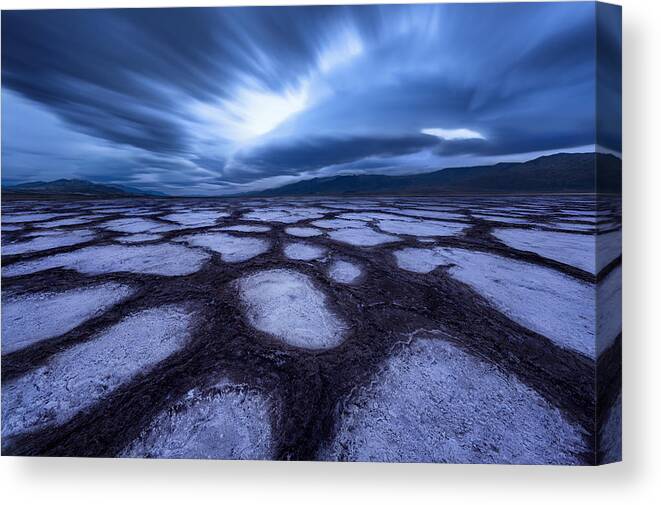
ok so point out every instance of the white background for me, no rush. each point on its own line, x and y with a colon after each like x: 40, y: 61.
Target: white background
x: 637, y: 480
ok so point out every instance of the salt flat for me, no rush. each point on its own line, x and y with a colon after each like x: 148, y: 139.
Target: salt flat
x: 31, y: 318
x: 200, y: 218
x: 570, y: 248
x: 158, y: 259
x: 361, y: 237
x: 78, y: 377
x: 368, y: 328
x: 545, y: 301
x: 421, y: 228
x: 226, y: 421
x: 232, y: 249
x: 50, y: 241
x: 433, y: 402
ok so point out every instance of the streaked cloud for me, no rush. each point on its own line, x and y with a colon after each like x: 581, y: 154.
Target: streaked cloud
x: 211, y: 100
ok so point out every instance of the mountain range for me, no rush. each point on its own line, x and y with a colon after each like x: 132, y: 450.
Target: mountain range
x: 76, y: 188
x: 557, y: 173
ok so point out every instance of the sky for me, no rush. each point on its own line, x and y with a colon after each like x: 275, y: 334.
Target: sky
x: 213, y: 101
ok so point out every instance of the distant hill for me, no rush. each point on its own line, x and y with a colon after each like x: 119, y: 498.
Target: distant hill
x: 76, y: 188
x: 557, y: 173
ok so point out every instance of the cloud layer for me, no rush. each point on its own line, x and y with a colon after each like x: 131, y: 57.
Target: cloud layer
x: 212, y: 101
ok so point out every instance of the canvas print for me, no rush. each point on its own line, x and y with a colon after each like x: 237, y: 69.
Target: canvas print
x: 383, y: 233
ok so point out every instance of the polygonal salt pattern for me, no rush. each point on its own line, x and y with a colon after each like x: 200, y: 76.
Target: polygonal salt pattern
x: 232, y: 249
x: 362, y: 237
x: 543, y: 300
x: 312, y: 317
x: 34, y: 317
x: 157, y: 259
x: 422, y: 228
x: 29, y: 217
x: 137, y: 225
x: 50, y: 241
x: 77, y: 378
x: 196, y: 219
x: 226, y: 421
x: 432, y: 402
x: 570, y: 248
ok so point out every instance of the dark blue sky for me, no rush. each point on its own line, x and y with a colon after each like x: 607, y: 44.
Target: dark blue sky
x: 215, y: 101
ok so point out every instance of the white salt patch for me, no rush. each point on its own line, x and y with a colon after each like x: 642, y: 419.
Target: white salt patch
x: 115, y: 210
x: 371, y: 216
x: 231, y: 249
x: 569, y: 248
x: 543, y: 300
x: 139, y: 237
x: 303, y: 232
x: 580, y: 213
x: 64, y: 222
x: 27, y: 217
x: 361, y: 237
x: 49, y: 241
x: 609, y: 309
x: 444, y: 209
x: 344, y: 272
x: 159, y: 259
x: 422, y: 228
x: 10, y: 227
x: 271, y: 215
x: 31, y: 318
x: 77, y: 378
x: 351, y: 205
x: 569, y: 226
x: 286, y: 304
x: 196, y: 218
x: 144, y: 212
x: 582, y: 219
x: 302, y: 251
x: 227, y: 421
x: 502, y: 219
x: 337, y: 223
x: 45, y: 233
x: 289, y: 215
x: 247, y: 228
x: 432, y: 402
x: 431, y: 214
x: 137, y: 225
x: 609, y: 248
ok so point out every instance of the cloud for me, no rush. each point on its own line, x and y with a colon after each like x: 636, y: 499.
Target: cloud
x: 312, y: 153
x: 453, y: 134
x: 209, y: 98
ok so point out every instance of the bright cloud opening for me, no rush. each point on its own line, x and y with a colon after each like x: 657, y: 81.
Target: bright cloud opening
x: 252, y: 112
x: 453, y: 134
x: 260, y: 112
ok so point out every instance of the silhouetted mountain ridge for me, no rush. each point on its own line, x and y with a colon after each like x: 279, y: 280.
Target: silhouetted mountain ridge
x: 77, y: 187
x: 557, y: 173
